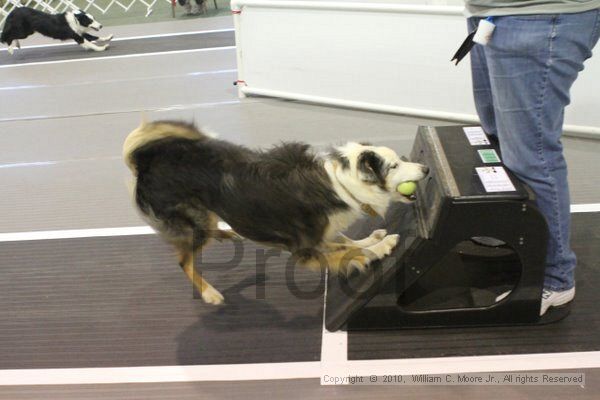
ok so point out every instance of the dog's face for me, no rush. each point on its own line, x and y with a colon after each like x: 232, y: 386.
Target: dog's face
x: 380, y: 167
x: 86, y: 21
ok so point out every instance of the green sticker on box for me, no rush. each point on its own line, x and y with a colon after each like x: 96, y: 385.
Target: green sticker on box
x: 489, y: 156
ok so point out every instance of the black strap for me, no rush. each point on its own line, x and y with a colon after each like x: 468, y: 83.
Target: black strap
x: 464, y: 48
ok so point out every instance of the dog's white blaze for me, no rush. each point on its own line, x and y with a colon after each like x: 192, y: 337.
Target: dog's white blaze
x: 73, y: 23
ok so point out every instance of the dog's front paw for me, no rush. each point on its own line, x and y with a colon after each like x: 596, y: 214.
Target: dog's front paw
x: 378, y: 234
x: 107, y: 38
x: 385, y: 247
x: 103, y: 48
x: 211, y: 295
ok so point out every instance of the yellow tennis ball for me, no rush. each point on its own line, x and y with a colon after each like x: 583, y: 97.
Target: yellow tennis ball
x: 407, y: 188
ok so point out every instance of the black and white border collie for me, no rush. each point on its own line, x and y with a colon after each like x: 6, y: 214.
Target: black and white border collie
x: 287, y: 197
x: 24, y: 21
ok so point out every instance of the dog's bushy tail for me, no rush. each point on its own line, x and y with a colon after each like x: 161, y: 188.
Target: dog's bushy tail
x: 149, y: 132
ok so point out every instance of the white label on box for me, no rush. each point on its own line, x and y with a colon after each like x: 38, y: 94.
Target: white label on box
x: 495, y: 179
x: 476, y: 135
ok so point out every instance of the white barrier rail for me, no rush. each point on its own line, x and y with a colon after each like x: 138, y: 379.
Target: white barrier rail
x: 375, y: 56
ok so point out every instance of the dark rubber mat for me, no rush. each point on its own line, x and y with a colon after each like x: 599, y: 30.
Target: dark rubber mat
x: 119, y: 47
x: 123, y: 301
x: 578, y: 332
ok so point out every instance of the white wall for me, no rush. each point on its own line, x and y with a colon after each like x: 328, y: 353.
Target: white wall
x: 383, y: 56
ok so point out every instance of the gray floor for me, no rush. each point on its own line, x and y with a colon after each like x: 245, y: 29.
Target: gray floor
x: 61, y: 130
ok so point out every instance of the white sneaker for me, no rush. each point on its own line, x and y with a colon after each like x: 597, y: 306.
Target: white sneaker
x: 550, y: 298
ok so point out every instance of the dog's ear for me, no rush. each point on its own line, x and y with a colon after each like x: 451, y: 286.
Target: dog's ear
x: 372, y: 167
x: 83, y: 19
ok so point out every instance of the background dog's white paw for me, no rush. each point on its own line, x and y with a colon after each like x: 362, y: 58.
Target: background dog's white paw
x: 211, y: 295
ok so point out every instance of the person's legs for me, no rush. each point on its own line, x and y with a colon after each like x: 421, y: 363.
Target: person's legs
x: 482, y: 91
x: 484, y: 104
x: 533, y: 62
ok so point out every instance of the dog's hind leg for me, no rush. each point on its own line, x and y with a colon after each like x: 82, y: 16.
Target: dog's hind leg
x: 11, y: 48
x: 18, y: 44
x: 223, y: 235
x: 204, y: 226
x: 216, y: 233
x: 186, y: 256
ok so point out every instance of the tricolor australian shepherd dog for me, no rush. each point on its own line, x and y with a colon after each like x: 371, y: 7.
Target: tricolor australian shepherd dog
x: 288, y: 196
x: 24, y: 21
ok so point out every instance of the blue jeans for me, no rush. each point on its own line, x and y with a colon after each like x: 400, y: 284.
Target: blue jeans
x: 521, y: 84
